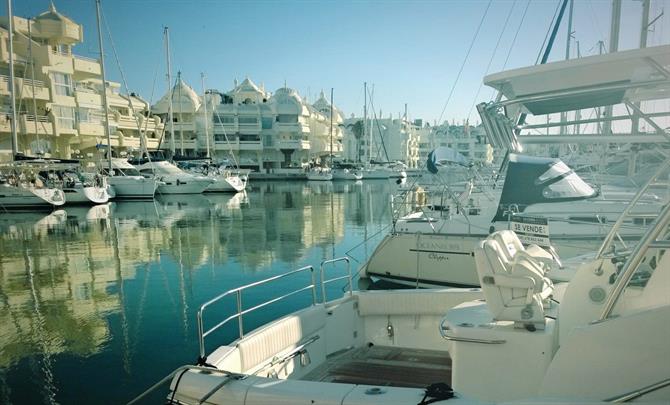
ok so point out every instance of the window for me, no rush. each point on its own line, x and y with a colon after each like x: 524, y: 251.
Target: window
x: 248, y: 120
x: 62, y: 84
x: 287, y: 118
x: 223, y: 119
x: 90, y: 115
x: 65, y: 116
x: 571, y: 186
x: 266, y: 122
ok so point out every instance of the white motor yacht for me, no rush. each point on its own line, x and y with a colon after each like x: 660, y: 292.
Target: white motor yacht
x: 375, y: 173
x: 346, y: 174
x: 127, y: 181
x: 320, y: 174
x: 601, y: 337
x: 434, y: 245
x: 173, y: 179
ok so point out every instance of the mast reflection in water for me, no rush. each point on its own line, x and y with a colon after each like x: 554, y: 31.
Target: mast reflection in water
x: 99, y: 303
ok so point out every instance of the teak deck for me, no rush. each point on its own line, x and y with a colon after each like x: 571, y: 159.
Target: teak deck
x: 385, y: 366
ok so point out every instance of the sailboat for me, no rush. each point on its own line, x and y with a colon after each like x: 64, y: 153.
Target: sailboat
x: 226, y: 179
x: 21, y: 186
x: 124, y: 179
x: 173, y: 179
x: 370, y: 171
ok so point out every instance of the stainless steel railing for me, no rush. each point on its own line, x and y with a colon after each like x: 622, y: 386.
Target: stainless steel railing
x: 240, y: 311
x: 202, y: 334
x: 324, y: 282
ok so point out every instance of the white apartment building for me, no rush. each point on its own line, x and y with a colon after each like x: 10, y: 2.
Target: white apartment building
x: 470, y: 141
x: 382, y: 140
x: 58, y: 94
x: 260, y: 130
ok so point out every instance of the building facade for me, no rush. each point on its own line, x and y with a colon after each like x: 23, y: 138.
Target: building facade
x: 59, y: 106
x: 252, y: 127
x: 382, y: 140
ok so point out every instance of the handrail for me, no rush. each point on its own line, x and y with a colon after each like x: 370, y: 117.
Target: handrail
x: 323, y: 276
x: 615, y: 228
x: 639, y: 392
x: 634, y: 260
x: 175, y: 372
x: 240, y: 312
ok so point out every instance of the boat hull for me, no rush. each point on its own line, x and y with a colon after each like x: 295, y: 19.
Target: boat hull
x: 194, y: 185
x: 226, y: 184
x: 17, y: 198
x: 133, y: 187
x: 86, y: 195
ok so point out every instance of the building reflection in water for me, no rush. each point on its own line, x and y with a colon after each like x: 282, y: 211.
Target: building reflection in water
x: 92, y: 296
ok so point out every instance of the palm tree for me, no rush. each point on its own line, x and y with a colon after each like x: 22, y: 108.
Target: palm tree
x: 357, y: 128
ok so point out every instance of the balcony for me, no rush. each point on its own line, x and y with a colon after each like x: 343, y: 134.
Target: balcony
x: 63, y: 61
x: 293, y: 144
x: 86, y: 65
x: 25, y: 88
x: 88, y: 97
x: 40, y: 125
x: 250, y: 145
x: 91, y: 128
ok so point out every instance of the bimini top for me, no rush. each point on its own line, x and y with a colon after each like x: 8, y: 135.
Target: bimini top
x: 592, y: 81
x: 444, y: 157
x: 535, y: 180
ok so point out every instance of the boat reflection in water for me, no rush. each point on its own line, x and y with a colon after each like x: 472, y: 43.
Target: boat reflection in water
x: 86, y: 293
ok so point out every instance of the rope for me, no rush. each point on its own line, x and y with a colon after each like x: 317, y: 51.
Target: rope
x: 516, y: 34
x: 458, y: 76
x: 495, y: 50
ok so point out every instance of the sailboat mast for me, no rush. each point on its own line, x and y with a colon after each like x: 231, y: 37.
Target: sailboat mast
x: 204, y: 104
x: 104, y: 88
x: 181, y: 119
x: 332, y: 111
x: 12, y: 96
x: 365, y: 117
x: 166, y: 33
x: 32, y: 77
x: 564, y: 116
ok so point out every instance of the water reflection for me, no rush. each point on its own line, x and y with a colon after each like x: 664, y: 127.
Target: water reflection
x: 90, y: 296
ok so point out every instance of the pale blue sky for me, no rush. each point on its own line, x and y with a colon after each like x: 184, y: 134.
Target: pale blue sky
x: 410, y: 50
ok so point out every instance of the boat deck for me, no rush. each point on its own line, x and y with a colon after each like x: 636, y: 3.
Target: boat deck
x: 385, y: 366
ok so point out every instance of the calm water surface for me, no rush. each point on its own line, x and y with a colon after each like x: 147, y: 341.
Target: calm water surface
x: 99, y: 303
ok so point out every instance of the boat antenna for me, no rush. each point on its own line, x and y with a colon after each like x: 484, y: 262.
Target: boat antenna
x: 12, y: 96
x: 104, y: 88
x: 332, y: 111
x: 32, y: 82
x: 166, y: 34
x: 204, y: 105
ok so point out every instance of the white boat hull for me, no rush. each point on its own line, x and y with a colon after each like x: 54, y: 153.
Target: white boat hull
x: 346, y: 175
x: 183, y: 185
x: 12, y: 197
x: 86, y: 195
x: 375, y: 174
x: 138, y: 187
x: 227, y: 184
x: 319, y: 176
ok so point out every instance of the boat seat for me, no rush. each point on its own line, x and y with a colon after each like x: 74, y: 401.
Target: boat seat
x: 279, y: 336
x: 516, y: 291
x: 512, y: 247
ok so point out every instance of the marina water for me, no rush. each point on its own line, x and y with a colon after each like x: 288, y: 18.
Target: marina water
x: 92, y: 298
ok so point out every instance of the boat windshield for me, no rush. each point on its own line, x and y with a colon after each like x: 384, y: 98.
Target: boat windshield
x: 166, y: 168
x: 127, y: 171
x: 569, y: 185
